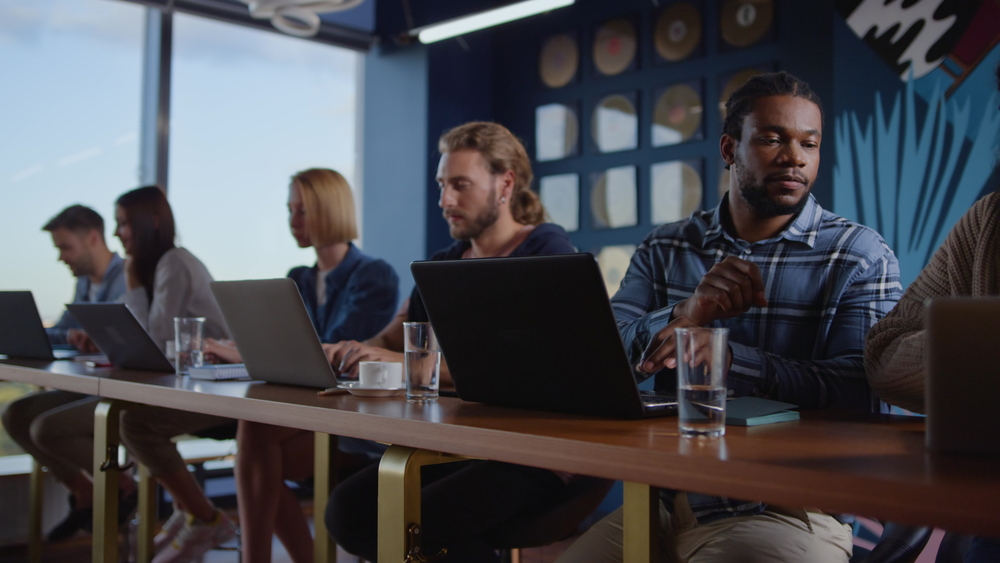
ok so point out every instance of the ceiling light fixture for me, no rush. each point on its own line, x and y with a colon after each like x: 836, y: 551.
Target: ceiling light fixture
x: 297, y: 17
x: 489, y: 18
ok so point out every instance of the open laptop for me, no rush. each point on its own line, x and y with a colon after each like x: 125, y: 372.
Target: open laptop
x: 963, y: 375
x: 273, y: 332
x: 535, y: 332
x: 22, y: 334
x: 119, y: 336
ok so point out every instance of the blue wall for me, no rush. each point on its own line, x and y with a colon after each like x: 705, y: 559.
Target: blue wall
x: 394, y: 171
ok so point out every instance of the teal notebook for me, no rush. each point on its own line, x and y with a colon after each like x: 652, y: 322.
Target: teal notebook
x: 754, y: 411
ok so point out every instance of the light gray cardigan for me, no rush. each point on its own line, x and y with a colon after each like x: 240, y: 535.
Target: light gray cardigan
x: 180, y: 289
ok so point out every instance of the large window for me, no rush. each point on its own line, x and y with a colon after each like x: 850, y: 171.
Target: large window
x: 249, y: 109
x: 70, y: 88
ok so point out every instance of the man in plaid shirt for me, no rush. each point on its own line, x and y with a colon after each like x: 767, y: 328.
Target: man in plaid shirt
x: 798, y: 288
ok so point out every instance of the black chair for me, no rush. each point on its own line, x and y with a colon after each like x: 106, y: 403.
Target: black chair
x: 563, y: 521
x: 953, y: 548
x: 898, y: 544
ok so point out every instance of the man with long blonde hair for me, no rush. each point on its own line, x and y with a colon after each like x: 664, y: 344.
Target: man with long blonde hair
x: 484, y: 177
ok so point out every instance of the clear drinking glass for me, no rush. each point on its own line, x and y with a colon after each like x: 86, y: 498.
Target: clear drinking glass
x: 422, y: 368
x: 188, y: 342
x: 701, y: 381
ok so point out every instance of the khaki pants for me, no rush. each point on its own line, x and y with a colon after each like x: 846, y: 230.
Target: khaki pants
x: 775, y: 536
x: 147, y: 434
x: 56, y: 428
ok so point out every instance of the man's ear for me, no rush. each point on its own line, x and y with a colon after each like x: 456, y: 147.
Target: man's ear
x: 727, y: 148
x: 507, y: 184
x: 94, y: 238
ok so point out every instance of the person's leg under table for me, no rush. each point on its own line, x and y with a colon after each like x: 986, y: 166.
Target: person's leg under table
x: 775, y: 536
x: 147, y: 433
x: 267, y: 455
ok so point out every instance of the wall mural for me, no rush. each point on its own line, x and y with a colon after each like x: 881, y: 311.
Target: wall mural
x: 914, y: 167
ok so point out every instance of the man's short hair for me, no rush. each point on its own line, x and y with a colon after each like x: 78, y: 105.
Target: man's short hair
x: 501, y: 151
x: 741, y: 102
x: 79, y: 219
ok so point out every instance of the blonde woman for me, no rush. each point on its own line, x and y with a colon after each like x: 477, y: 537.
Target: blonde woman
x: 349, y: 296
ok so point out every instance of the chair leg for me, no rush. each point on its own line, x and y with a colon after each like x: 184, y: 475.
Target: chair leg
x: 147, y: 514
x: 399, y: 500
x: 35, y: 513
x: 640, y: 521
x: 105, y: 474
x: 515, y: 555
x: 324, y: 480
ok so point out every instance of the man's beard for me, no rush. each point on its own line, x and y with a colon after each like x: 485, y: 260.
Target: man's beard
x: 760, y: 201
x: 480, y: 223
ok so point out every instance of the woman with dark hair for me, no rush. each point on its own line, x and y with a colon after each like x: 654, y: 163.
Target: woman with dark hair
x: 166, y: 281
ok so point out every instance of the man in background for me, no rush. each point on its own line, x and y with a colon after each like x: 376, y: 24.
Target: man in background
x: 78, y: 233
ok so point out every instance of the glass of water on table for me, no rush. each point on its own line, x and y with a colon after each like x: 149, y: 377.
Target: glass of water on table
x: 701, y: 381
x: 188, y: 343
x: 422, y: 365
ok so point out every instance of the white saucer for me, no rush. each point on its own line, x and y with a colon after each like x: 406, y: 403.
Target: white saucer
x: 371, y: 391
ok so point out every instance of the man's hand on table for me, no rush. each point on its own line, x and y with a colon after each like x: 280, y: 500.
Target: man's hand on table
x: 728, y: 290
x: 344, y: 356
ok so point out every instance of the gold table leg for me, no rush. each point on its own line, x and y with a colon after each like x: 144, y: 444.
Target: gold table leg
x: 399, y: 498
x: 324, y: 480
x: 106, y: 470
x: 640, y: 523
x: 35, y: 513
x: 147, y: 516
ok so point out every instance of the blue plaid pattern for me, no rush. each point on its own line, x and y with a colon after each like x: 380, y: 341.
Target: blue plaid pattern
x: 827, y: 282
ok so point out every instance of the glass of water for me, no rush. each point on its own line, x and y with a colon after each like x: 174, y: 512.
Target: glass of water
x: 701, y: 381
x: 422, y: 367
x: 188, y: 343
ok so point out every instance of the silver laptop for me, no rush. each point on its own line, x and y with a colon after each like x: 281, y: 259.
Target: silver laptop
x: 963, y: 375
x: 119, y: 336
x: 22, y: 334
x: 273, y: 332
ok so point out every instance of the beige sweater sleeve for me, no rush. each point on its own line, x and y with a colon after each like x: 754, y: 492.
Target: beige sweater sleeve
x: 894, y: 349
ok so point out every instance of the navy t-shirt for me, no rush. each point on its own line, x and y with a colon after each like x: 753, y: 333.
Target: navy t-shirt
x: 544, y: 240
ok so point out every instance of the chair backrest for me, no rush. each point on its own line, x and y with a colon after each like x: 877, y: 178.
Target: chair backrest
x: 898, y: 544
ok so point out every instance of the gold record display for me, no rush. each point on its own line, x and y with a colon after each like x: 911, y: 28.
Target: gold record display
x: 677, y: 116
x: 738, y: 79
x: 558, y: 60
x: 678, y: 31
x: 745, y: 22
x: 615, y: 45
x: 676, y: 191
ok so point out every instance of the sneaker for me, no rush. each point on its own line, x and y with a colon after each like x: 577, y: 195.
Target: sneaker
x: 77, y: 519
x: 195, y: 538
x: 170, y: 529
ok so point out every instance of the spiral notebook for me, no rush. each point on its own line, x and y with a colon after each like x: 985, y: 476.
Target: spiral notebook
x: 220, y: 372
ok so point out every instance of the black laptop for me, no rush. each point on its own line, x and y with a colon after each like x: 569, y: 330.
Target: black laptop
x: 535, y: 332
x: 119, y: 336
x: 963, y: 375
x: 22, y: 334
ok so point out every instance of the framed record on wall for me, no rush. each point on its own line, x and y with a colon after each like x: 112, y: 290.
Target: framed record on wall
x: 678, y: 114
x: 677, y: 32
x: 616, y: 47
x: 743, y: 23
x: 558, y: 60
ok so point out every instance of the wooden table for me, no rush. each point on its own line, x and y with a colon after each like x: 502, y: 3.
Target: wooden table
x: 872, y: 465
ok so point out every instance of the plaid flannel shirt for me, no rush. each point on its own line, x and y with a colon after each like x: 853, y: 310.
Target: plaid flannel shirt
x: 827, y: 281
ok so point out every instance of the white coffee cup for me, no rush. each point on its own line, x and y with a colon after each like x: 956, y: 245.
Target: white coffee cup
x: 380, y: 375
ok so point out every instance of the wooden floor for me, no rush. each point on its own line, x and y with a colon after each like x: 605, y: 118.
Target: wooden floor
x: 77, y: 550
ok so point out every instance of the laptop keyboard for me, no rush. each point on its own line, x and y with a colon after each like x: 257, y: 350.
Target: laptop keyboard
x: 650, y: 399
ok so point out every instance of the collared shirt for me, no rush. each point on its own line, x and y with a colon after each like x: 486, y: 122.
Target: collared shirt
x: 827, y: 281
x: 111, y: 288
x: 361, y: 296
